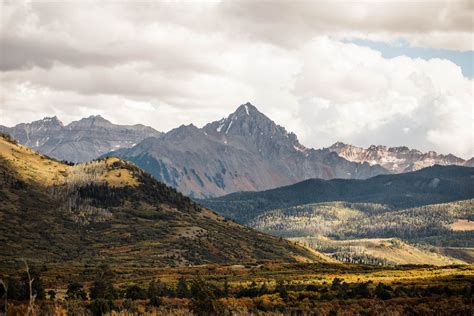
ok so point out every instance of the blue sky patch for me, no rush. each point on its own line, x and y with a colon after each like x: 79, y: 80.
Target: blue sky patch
x: 465, y: 60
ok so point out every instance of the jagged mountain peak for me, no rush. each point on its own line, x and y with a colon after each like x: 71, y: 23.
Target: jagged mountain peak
x: 48, y: 122
x: 249, y: 128
x: 247, y: 109
x: 91, y: 121
x: 183, y: 131
x: 97, y: 117
x: 246, y: 121
x: 53, y: 120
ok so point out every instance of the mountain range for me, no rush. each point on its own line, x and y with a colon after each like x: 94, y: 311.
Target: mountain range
x: 79, y: 141
x: 396, y: 159
x: 245, y: 151
x: 110, y: 211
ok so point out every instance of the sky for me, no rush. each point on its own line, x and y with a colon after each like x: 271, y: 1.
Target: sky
x: 362, y: 72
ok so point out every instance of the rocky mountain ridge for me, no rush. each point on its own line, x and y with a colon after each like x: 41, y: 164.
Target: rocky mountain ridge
x: 78, y: 141
x: 395, y: 159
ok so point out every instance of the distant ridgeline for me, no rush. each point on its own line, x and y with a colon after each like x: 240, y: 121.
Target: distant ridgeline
x: 431, y: 185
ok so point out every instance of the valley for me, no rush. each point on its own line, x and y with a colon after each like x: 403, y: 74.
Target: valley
x: 236, y: 158
x: 368, y: 222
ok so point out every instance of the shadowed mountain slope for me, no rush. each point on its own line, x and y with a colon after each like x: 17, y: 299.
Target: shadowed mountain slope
x: 431, y: 185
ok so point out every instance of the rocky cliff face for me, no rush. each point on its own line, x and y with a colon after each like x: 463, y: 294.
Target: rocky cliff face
x: 244, y: 152
x: 395, y: 159
x: 79, y: 141
x: 35, y: 134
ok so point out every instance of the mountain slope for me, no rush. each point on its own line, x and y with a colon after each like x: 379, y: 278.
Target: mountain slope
x: 469, y: 163
x: 446, y: 224
x: 244, y: 152
x: 78, y: 141
x: 431, y: 185
x: 395, y: 159
x: 381, y: 251
x: 109, y: 210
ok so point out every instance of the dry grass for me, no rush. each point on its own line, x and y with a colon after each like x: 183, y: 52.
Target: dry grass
x: 393, y: 250
x: 34, y: 167
x: 462, y: 225
x: 31, y: 166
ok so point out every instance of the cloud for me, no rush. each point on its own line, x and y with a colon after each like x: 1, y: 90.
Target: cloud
x: 446, y: 24
x: 356, y: 95
x: 165, y: 64
x: 95, y: 33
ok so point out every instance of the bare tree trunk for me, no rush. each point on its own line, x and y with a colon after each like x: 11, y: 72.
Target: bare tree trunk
x: 6, y: 296
x: 31, y: 305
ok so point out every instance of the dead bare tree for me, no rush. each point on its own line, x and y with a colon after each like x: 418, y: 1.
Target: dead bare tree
x: 5, y: 287
x: 31, y: 305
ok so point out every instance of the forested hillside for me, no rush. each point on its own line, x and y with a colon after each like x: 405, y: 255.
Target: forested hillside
x: 437, y: 184
x: 358, y: 232
x: 342, y: 220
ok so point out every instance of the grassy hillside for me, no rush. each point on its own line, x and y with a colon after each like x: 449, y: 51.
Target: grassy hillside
x: 379, y: 251
x: 437, y: 184
x: 464, y: 254
x: 111, y: 211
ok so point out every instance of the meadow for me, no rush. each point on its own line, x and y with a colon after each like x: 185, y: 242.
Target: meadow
x: 265, y: 288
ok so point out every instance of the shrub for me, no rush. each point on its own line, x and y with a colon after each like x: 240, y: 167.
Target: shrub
x: 75, y: 291
x: 134, y: 292
x: 100, y: 307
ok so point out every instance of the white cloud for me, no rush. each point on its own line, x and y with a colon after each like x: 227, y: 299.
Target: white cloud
x: 354, y: 94
x: 166, y: 64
